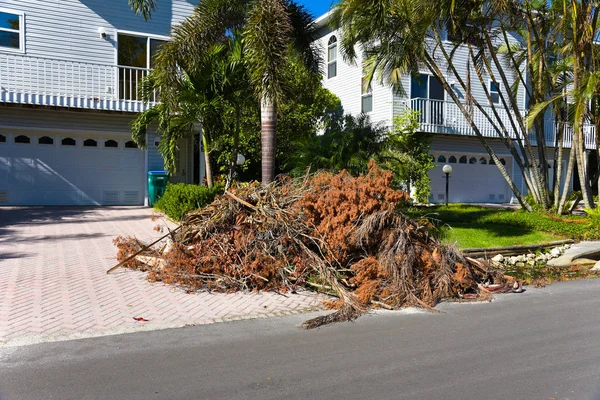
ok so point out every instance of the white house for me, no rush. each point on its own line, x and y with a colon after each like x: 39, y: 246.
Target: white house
x: 474, y: 178
x: 69, y: 72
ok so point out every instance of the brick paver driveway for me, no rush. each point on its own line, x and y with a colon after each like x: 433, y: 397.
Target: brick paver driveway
x: 53, y: 282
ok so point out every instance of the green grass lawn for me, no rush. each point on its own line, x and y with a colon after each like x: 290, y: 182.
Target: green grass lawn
x: 470, y: 226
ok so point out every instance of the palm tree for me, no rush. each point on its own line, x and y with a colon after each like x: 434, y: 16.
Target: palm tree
x: 400, y: 38
x: 270, y: 30
x: 207, y: 96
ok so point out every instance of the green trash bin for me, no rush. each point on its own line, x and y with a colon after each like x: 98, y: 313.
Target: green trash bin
x: 157, y: 183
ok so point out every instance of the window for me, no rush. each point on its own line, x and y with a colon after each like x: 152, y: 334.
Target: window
x: 367, y: 96
x: 12, y: 30
x: 22, y: 139
x: 131, y: 145
x: 452, y: 160
x: 427, y: 97
x: 332, y: 57
x: 441, y: 159
x: 2, y: 139
x: 495, y: 92
x: 90, y: 143
x: 462, y: 160
x: 111, y: 143
x: 491, y: 162
x: 68, y: 142
x: 482, y: 160
x: 502, y: 161
x: 137, y: 51
x: 45, y: 140
x: 472, y: 160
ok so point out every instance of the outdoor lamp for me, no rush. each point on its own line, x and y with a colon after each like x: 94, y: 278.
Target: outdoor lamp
x: 102, y: 32
x: 240, y: 159
x: 447, y: 170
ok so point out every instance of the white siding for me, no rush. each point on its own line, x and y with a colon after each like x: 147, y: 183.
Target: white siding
x: 68, y: 29
x: 347, y: 85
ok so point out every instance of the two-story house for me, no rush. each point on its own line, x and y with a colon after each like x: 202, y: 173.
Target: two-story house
x: 69, y: 73
x: 474, y: 178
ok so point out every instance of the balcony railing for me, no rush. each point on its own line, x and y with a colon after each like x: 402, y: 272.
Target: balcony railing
x: 444, y: 117
x: 49, y: 82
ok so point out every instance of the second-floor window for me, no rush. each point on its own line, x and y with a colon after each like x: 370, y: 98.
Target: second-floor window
x: 11, y: 30
x: 367, y: 96
x: 135, y: 53
x: 332, y: 57
x: 495, y: 92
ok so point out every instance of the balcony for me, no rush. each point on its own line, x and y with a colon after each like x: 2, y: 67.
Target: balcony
x: 55, y: 83
x: 444, y: 117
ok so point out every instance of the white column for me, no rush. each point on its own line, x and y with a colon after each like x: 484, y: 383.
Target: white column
x: 145, y: 178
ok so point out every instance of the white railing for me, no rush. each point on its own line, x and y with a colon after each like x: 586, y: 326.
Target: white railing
x: 49, y: 82
x: 445, y: 117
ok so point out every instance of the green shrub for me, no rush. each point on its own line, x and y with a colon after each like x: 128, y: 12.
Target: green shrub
x: 181, y: 198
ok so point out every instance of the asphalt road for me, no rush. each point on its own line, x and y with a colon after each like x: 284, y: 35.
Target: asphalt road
x: 542, y: 344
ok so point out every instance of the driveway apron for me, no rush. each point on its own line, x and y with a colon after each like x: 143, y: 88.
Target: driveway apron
x: 54, y: 286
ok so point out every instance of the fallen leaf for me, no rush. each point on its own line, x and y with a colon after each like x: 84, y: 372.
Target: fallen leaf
x: 140, y: 319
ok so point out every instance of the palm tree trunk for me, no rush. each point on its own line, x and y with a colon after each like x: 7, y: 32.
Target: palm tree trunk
x: 268, y: 123
x: 565, y: 192
x: 582, y: 168
x: 558, y: 157
x: 209, y: 175
x: 235, y: 149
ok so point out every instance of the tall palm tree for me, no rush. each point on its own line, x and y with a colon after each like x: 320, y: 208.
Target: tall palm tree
x: 270, y: 30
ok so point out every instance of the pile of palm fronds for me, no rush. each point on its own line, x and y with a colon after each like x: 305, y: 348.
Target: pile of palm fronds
x: 341, y: 234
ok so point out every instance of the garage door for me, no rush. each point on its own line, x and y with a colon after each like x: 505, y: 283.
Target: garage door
x: 474, y: 179
x: 70, y: 170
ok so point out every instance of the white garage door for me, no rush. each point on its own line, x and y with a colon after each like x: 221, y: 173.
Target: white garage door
x: 70, y: 170
x: 474, y: 179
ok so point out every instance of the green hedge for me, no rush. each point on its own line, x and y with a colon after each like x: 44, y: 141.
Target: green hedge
x: 181, y: 198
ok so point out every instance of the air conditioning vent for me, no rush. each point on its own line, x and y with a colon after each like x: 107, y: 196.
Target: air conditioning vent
x: 3, y: 197
x: 110, y: 197
x: 131, y: 197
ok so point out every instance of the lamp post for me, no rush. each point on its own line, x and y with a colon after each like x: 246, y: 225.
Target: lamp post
x: 447, y: 170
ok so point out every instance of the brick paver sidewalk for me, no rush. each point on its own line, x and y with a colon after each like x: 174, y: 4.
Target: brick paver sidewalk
x: 53, y: 282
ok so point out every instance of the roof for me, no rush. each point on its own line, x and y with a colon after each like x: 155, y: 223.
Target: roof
x: 323, y: 20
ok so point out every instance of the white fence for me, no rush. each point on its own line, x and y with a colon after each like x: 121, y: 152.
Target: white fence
x: 44, y: 81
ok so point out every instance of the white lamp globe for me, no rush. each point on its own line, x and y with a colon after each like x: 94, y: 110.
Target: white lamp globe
x: 447, y: 169
x: 240, y: 159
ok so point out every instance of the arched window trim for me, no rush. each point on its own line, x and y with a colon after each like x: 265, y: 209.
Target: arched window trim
x: 90, y: 143
x: 68, y: 142
x: 332, y: 53
x: 22, y: 139
x: 130, y: 145
x: 111, y: 141
x: 463, y: 160
x: 483, y: 161
x: 452, y: 160
x: 46, y: 140
x: 441, y: 159
x: 472, y: 160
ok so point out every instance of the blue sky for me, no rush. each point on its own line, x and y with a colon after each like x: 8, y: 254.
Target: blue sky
x: 317, y: 7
